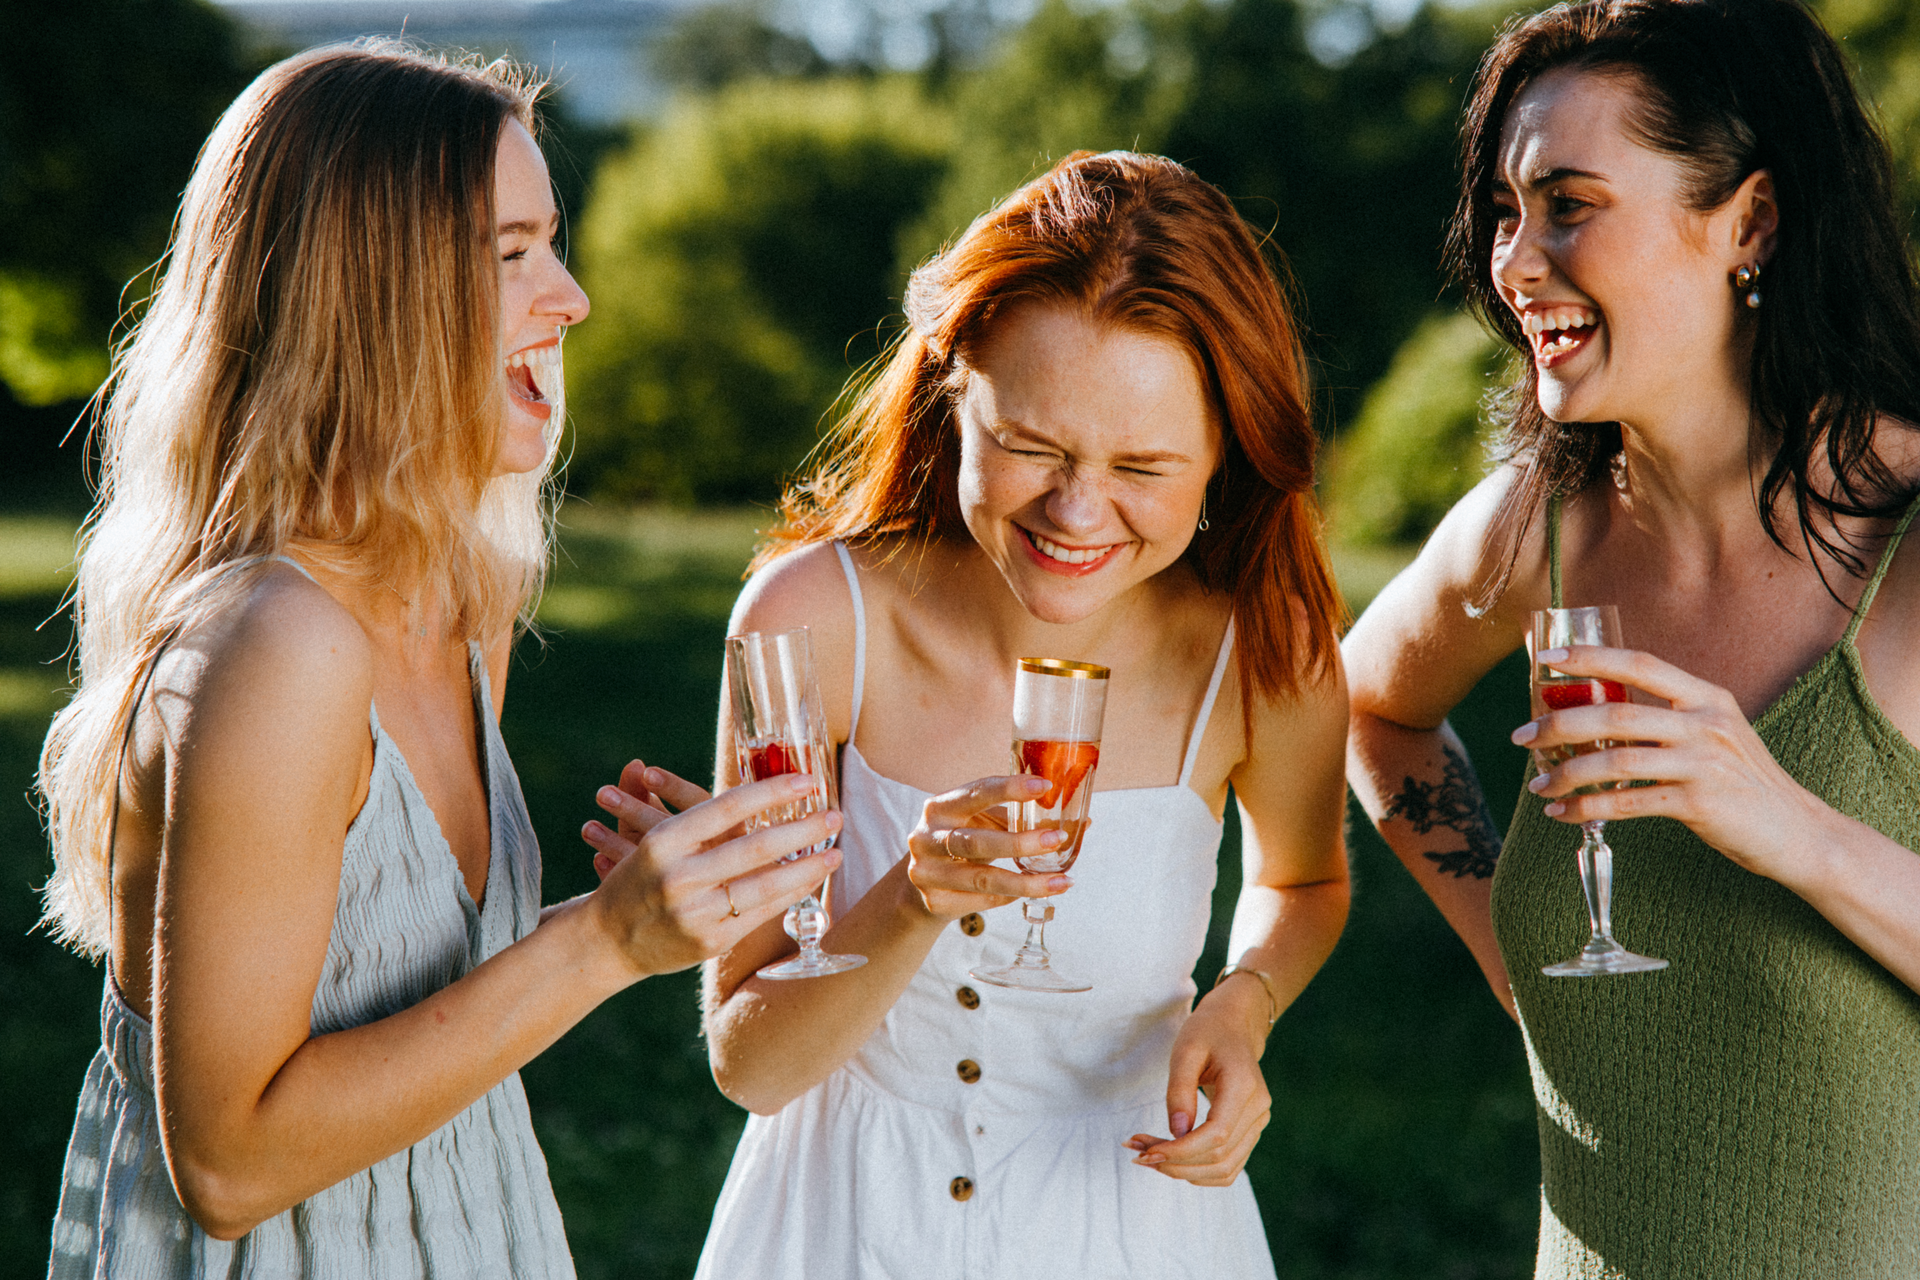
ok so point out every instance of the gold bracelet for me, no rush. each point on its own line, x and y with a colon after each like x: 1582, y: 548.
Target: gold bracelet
x: 1273, y: 1004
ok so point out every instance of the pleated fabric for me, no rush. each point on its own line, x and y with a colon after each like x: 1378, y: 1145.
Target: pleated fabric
x: 470, y: 1200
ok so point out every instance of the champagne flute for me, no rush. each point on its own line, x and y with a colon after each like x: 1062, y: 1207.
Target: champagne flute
x: 1057, y: 709
x: 1553, y: 691
x: 779, y: 727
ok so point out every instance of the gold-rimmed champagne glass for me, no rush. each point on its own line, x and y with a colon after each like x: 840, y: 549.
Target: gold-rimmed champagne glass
x: 1058, y: 706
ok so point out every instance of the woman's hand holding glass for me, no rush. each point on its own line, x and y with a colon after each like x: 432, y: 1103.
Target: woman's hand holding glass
x: 1699, y: 760
x: 678, y: 887
x: 962, y: 833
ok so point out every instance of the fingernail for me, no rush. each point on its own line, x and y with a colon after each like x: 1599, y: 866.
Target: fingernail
x: 799, y: 783
x: 602, y: 862
x: 1135, y: 1144
x: 1537, y: 783
x: 1152, y: 1160
x: 1182, y: 1123
x: 607, y: 796
x: 1053, y: 839
x: 1036, y: 785
x: 1060, y: 884
x: 1547, y: 657
x: 1555, y: 809
x: 832, y: 857
x: 655, y: 777
x: 833, y: 819
x: 1526, y: 733
x: 593, y: 831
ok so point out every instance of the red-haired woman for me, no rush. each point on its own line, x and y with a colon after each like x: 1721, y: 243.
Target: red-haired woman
x: 1092, y: 443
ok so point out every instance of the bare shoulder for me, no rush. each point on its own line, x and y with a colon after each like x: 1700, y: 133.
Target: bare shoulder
x: 1423, y: 642
x: 807, y: 587
x: 282, y: 649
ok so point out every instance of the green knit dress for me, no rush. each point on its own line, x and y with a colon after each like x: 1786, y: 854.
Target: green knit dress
x: 1754, y: 1109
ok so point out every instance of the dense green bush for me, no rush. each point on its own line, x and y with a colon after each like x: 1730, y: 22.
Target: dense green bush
x: 740, y: 256
x: 1420, y: 440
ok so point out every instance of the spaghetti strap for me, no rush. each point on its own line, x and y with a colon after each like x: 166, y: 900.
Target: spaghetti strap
x: 1880, y: 571
x: 302, y: 569
x: 1553, y: 548
x: 1199, y: 729
x: 859, y: 635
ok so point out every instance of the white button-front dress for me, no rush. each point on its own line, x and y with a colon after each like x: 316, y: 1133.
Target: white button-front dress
x: 977, y: 1134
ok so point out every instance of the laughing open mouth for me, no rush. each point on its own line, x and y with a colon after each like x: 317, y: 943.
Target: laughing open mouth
x: 533, y: 377
x: 1557, y: 332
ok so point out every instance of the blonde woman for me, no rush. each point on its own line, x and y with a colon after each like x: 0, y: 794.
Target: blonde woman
x: 279, y: 803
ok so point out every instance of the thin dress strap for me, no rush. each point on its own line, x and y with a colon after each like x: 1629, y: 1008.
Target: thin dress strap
x: 1880, y: 571
x: 1199, y: 730
x: 859, y: 635
x: 1553, y: 547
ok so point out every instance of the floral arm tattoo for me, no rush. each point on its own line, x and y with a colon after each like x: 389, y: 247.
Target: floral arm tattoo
x: 1454, y: 804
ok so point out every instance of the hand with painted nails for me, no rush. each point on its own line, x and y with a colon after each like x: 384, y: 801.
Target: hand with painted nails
x: 962, y: 833
x: 1218, y: 1053
x: 681, y: 880
x: 1697, y: 760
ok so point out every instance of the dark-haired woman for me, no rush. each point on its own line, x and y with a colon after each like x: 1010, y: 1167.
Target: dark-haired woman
x: 279, y: 801
x: 1092, y: 443
x: 1679, y: 213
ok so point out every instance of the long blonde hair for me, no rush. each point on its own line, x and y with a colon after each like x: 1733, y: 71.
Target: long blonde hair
x: 320, y: 363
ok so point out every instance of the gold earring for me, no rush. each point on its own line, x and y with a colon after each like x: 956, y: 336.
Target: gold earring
x: 1747, y: 278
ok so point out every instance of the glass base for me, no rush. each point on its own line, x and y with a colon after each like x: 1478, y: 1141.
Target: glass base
x: 1597, y: 959
x: 1029, y: 977
x: 814, y: 966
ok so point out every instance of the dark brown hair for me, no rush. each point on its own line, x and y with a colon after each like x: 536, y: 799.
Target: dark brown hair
x: 1729, y: 87
x: 1140, y: 243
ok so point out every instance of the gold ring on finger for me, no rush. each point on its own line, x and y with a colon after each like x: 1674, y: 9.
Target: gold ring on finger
x: 728, y: 890
x: 946, y: 844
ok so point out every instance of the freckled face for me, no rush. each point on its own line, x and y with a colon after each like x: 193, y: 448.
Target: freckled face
x: 538, y: 299
x: 1626, y: 303
x: 1085, y: 452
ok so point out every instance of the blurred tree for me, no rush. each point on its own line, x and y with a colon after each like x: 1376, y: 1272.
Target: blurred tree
x: 1072, y: 78
x: 741, y: 256
x: 102, y: 108
x: 715, y: 45
x: 1351, y: 166
x: 1420, y: 441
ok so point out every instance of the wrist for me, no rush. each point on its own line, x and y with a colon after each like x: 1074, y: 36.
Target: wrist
x: 599, y: 945
x: 1249, y: 992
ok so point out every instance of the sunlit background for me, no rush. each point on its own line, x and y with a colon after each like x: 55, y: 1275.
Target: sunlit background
x: 746, y: 187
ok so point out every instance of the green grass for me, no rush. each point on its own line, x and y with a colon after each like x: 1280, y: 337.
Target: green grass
x: 1402, y: 1142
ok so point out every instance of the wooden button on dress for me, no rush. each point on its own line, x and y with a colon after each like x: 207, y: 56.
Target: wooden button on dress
x: 968, y: 1070
x: 972, y: 925
x: 961, y: 1188
x: 968, y: 998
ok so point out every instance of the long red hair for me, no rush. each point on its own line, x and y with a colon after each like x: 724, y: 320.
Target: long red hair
x: 1143, y: 244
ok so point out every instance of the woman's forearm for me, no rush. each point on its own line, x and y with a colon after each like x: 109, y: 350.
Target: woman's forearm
x: 1287, y: 933
x: 346, y: 1100
x: 771, y: 1041
x: 1420, y: 790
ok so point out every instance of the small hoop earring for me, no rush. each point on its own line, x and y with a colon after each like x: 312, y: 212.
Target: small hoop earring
x: 1747, y: 278
x: 1204, y: 526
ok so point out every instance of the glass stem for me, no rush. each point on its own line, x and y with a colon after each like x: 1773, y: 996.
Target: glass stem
x: 1596, y: 880
x: 1033, y: 952
x: 806, y: 924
